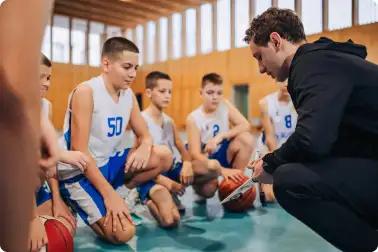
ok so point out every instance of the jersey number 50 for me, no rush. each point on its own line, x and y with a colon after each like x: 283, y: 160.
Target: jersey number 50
x: 115, y: 126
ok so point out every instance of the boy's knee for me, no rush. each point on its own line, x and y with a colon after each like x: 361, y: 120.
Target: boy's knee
x: 120, y: 236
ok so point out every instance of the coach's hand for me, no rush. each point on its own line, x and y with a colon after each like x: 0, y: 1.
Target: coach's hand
x: 138, y: 159
x: 258, y: 172
x: 116, y: 212
x: 37, y: 235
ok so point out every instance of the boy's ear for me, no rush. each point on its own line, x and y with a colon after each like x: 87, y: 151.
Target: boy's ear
x: 148, y: 92
x: 105, y: 64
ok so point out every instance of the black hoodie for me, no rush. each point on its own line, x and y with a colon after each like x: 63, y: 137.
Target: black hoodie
x: 335, y: 92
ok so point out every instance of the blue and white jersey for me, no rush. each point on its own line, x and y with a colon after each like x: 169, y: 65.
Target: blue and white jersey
x: 163, y: 135
x: 212, y: 124
x: 108, y: 125
x: 283, y: 117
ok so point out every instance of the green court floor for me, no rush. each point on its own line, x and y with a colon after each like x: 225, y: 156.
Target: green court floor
x: 206, y: 227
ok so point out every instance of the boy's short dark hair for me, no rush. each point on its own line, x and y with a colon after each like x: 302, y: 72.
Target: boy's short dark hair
x: 45, y: 61
x: 153, y: 77
x: 283, y: 21
x: 214, y: 78
x: 116, y: 45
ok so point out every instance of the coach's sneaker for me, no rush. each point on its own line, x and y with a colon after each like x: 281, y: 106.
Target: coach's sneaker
x: 178, y: 203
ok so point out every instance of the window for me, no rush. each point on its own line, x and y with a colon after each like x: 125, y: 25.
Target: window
x: 113, y: 31
x: 288, y: 4
x: 151, y: 41
x: 96, y: 31
x: 262, y: 5
x: 367, y: 11
x: 206, y: 28
x: 241, y: 21
x: 190, y: 32
x: 340, y: 14
x: 163, y: 22
x: 129, y: 34
x: 79, y: 29
x: 176, y: 30
x: 46, y: 44
x: 139, y: 42
x: 61, y: 36
x: 312, y: 16
x: 224, y: 25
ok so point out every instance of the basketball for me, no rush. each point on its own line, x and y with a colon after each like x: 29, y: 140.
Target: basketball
x: 241, y: 204
x: 59, y: 238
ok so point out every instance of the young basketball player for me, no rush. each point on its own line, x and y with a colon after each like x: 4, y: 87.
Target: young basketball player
x: 47, y: 199
x: 218, y: 134
x: 279, y: 118
x: 160, y: 194
x: 98, y: 112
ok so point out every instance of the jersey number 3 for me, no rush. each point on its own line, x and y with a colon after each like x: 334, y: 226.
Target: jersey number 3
x: 115, y: 126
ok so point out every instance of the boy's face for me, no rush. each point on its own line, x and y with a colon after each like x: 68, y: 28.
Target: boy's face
x: 121, y: 70
x: 161, y: 95
x: 212, y: 95
x: 44, y: 79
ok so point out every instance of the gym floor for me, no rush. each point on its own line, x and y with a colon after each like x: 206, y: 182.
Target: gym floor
x: 207, y: 227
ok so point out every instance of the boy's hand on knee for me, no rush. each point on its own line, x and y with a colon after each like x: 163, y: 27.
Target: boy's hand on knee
x: 116, y: 210
x: 234, y: 174
x: 138, y: 159
x: 60, y: 210
x: 37, y: 235
x: 186, y: 176
x: 212, y: 145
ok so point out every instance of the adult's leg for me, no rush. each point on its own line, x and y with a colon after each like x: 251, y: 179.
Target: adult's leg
x: 337, y: 198
x: 19, y: 116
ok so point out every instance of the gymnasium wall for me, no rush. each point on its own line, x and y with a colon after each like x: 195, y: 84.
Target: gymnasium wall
x: 236, y: 66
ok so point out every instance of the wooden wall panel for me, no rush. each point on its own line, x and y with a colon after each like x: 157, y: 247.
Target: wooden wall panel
x: 236, y: 66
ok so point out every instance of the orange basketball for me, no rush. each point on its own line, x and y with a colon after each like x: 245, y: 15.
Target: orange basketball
x: 59, y: 238
x: 240, y: 204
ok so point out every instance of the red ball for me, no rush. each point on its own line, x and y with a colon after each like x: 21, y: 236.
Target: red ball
x: 59, y: 237
x: 240, y: 204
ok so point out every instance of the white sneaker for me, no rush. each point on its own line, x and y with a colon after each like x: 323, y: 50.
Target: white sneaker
x: 130, y: 196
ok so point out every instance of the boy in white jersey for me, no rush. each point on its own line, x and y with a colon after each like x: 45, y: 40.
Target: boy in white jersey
x: 98, y: 112
x: 47, y: 198
x: 278, y: 118
x: 160, y: 194
x: 218, y: 134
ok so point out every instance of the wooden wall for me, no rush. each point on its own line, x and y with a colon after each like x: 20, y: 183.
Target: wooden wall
x: 236, y: 66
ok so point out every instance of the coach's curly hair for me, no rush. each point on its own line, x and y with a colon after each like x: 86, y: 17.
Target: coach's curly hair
x: 283, y: 21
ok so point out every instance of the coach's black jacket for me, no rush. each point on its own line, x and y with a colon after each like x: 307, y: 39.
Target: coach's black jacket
x: 335, y: 92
